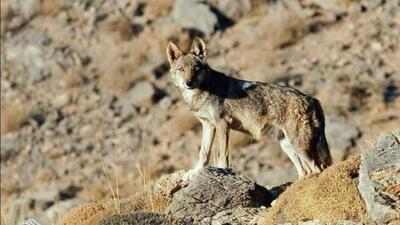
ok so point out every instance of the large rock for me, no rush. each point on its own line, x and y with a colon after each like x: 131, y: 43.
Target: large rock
x: 217, y: 196
x: 195, y: 15
x: 380, y: 178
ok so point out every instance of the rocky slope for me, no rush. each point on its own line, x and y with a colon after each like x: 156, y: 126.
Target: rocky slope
x: 88, y: 111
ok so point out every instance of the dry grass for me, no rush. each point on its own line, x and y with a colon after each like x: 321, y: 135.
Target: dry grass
x: 329, y: 196
x: 90, y: 214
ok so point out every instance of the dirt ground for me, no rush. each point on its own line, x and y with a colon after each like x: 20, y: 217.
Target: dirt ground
x: 88, y: 111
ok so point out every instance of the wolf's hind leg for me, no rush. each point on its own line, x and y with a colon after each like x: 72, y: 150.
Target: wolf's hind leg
x: 291, y: 153
x: 299, y: 153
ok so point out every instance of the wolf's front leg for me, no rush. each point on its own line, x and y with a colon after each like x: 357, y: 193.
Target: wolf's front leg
x: 204, y: 155
x: 223, y: 144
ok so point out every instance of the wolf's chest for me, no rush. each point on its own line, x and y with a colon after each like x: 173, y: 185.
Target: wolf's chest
x: 195, y: 100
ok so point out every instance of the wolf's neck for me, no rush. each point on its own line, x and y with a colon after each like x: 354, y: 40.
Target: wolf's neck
x: 216, y: 83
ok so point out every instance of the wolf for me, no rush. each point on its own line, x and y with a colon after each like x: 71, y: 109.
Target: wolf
x: 221, y: 102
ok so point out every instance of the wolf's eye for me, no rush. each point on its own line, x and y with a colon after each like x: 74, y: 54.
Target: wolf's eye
x: 180, y: 69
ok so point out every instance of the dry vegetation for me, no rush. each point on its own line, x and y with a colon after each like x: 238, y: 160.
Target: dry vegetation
x: 91, y: 213
x: 330, y: 196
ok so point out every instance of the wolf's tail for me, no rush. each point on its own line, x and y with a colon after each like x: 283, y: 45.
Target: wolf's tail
x: 324, y: 154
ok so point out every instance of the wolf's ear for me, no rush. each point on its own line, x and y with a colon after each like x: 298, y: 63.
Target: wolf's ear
x: 173, y: 52
x: 199, y: 48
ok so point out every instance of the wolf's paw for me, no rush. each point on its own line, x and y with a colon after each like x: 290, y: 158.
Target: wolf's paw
x: 189, y: 175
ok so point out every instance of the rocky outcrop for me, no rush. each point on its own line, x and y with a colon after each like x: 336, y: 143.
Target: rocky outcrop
x: 215, y: 196
x: 380, y: 178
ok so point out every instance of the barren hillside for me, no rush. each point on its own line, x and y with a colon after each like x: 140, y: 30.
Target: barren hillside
x: 88, y: 111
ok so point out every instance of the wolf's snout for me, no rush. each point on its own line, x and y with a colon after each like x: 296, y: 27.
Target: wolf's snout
x: 190, y: 84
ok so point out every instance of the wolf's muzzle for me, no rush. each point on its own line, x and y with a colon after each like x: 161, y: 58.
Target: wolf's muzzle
x: 190, y: 84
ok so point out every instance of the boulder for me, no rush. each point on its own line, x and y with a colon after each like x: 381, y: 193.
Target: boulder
x: 191, y: 14
x: 379, y: 181
x: 217, y: 196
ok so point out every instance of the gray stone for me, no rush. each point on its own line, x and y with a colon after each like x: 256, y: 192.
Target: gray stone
x: 26, y: 8
x: 30, y: 52
x: 379, y: 180
x: 215, y: 192
x: 192, y: 14
x: 340, y: 136
x: 165, y: 102
x: 142, y: 94
x: 9, y: 147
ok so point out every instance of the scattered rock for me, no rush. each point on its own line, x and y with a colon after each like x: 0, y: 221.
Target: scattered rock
x: 61, y: 100
x: 31, y: 52
x: 8, y: 148
x: 192, y: 14
x: 13, y: 115
x: 340, y: 136
x: 379, y: 182
x: 213, y: 193
x: 142, y: 94
x: 26, y: 8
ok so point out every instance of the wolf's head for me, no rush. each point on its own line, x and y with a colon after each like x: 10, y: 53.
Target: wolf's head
x: 188, y: 70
